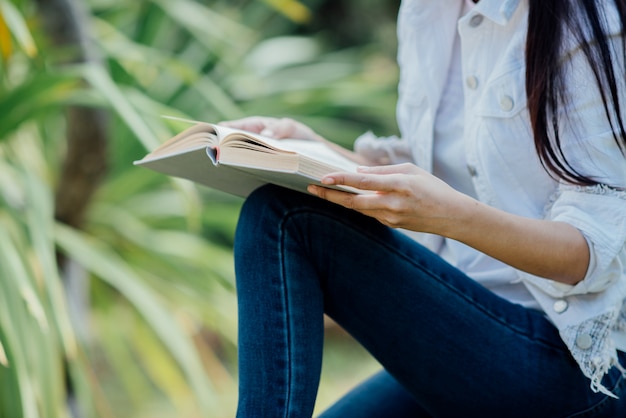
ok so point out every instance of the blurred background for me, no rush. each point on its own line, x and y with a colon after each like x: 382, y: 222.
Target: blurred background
x: 117, y: 290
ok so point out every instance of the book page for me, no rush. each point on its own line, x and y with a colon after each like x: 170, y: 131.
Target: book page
x: 318, y: 151
x: 312, y: 149
x: 194, y: 137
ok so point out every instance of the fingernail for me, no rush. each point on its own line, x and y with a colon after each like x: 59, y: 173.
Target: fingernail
x: 267, y: 132
x: 328, y: 180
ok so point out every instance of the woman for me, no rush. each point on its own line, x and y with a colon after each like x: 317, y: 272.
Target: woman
x: 511, y: 174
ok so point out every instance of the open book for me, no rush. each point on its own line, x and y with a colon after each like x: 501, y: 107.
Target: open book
x: 238, y: 162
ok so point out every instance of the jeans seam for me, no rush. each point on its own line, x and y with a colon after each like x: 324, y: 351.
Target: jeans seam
x: 284, y: 285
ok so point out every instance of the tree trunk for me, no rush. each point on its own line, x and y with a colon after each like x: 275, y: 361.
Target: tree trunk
x: 85, y: 164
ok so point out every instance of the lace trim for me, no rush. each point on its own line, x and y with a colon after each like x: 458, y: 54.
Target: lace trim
x: 599, y: 189
x: 620, y: 323
x: 593, y: 349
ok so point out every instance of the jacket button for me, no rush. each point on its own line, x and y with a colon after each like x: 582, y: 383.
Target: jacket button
x: 560, y: 306
x: 584, y: 341
x: 471, y: 82
x: 506, y: 103
x: 476, y: 20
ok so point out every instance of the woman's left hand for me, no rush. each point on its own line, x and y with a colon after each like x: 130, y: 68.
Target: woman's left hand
x: 405, y: 196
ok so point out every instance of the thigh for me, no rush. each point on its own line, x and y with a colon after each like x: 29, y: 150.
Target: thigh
x: 454, y: 345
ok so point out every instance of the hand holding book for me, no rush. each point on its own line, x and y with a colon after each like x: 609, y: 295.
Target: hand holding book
x: 277, y: 128
x: 285, y: 128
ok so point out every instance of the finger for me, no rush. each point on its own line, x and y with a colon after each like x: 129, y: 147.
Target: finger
x: 372, y: 205
x: 365, y: 181
x: 346, y: 199
x: 251, y: 124
x: 281, y: 128
x: 254, y: 124
x: 404, y: 168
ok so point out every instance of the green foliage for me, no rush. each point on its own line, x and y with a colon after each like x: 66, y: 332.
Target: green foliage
x: 35, y: 330
x: 141, y: 319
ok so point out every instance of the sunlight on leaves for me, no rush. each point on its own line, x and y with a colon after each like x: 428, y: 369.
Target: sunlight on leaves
x: 14, y: 24
x: 291, y: 9
x: 3, y: 356
x: 6, y: 47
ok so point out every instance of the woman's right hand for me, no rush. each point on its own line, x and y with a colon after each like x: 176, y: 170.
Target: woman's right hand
x: 278, y: 128
x: 286, y: 128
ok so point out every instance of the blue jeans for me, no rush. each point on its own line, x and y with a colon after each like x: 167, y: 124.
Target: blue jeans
x: 449, y: 347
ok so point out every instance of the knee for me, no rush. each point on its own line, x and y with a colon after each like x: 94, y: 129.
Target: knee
x: 259, y: 205
x: 260, y: 219
x: 264, y: 208
x: 259, y: 198
x: 271, y: 200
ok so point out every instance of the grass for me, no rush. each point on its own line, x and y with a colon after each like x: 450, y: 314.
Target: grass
x: 346, y: 363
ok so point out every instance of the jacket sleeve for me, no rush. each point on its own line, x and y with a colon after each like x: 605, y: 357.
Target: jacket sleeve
x: 599, y: 213
x: 383, y: 150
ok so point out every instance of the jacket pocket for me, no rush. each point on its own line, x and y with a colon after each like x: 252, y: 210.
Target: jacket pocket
x: 504, y: 95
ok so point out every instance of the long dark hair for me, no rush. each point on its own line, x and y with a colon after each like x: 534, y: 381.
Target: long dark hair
x: 548, y: 23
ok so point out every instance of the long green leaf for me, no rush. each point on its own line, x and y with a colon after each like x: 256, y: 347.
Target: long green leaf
x: 4, y: 361
x: 108, y: 266
x: 34, y: 97
x: 18, y: 27
x: 159, y: 71
x: 28, y: 338
x: 206, y: 25
x: 39, y: 219
x: 101, y: 81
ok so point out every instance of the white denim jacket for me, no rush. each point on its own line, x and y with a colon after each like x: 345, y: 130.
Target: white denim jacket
x: 501, y: 156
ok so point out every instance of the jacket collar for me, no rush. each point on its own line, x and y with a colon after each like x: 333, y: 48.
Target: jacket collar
x: 499, y: 11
